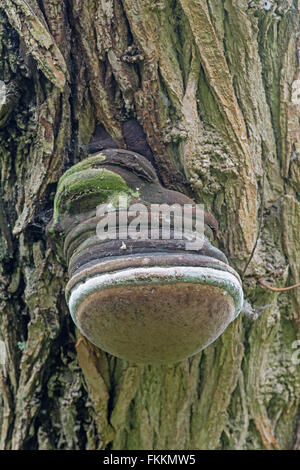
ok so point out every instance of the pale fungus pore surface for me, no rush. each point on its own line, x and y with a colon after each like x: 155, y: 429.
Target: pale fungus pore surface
x: 154, y: 275
x: 156, y: 314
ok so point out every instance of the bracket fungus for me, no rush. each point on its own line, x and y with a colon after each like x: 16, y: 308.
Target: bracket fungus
x: 141, y: 298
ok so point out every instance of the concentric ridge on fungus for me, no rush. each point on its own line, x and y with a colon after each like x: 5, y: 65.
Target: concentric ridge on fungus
x: 148, y: 301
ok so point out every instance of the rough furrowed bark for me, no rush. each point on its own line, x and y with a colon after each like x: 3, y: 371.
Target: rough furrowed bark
x: 215, y: 85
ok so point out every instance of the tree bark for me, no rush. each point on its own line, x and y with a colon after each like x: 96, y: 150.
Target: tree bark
x: 216, y: 86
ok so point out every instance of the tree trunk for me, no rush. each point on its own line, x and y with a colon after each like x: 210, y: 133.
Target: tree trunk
x: 216, y: 86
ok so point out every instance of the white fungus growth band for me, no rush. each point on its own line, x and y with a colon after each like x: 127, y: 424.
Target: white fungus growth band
x: 224, y: 280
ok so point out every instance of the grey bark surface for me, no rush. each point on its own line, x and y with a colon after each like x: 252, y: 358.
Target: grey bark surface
x: 216, y: 86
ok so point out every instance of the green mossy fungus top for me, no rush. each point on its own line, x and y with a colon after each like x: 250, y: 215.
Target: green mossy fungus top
x: 86, y: 185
